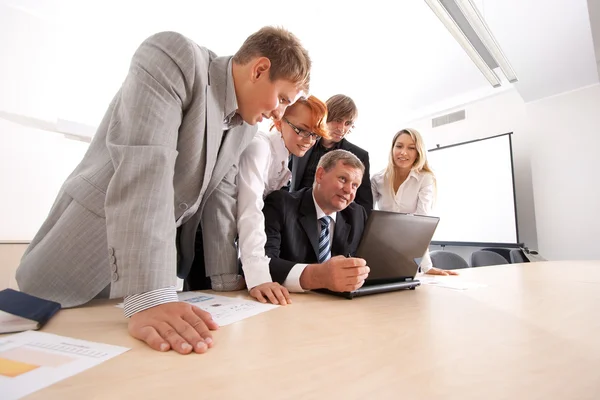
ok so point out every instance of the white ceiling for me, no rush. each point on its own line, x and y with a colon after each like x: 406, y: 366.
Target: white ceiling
x: 396, y: 59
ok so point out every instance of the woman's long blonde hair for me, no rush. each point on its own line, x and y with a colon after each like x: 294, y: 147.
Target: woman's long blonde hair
x: 420, y: 165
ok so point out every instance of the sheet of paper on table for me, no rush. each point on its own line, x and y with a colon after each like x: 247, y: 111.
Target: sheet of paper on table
x: 224, y: 310
x: 33, y: 360
x: 449, y: 282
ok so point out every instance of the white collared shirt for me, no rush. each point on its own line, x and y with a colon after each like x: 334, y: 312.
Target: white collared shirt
x: 292, y: 281
x: 415, y: 196
x: 263, y: 168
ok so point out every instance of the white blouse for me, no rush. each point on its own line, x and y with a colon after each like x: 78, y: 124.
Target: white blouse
x: 415, y: 195
x: 263, y: 168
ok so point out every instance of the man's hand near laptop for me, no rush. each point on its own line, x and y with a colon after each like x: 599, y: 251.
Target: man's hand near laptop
x: 338, y: 274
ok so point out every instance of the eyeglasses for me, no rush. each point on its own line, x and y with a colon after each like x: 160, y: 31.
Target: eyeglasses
x: 301, y: 132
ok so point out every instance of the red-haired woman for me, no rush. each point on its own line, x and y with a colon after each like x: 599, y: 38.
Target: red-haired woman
x: 263, y: 168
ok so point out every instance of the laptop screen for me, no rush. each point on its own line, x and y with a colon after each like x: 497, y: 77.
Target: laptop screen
x: 394, y: 243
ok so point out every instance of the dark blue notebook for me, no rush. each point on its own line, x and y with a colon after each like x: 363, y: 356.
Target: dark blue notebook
x: 21, y: 311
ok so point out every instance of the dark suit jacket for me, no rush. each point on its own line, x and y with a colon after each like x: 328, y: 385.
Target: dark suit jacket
x: 364, y: 195
x: 292, y: 232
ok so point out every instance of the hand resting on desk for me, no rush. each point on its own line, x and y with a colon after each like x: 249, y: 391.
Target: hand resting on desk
x: 271, y: 291
x: 437, y: 271
x: 178, y: 326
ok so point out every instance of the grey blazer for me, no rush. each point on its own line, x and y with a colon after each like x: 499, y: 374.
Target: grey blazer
x: 157, y: 155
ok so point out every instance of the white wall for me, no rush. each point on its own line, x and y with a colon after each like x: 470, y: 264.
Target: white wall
x: 555, y: 146
x: 33, y: 163
x: 33, y: 166
x: 502, y: 113
x: 10, y: 256
x: 28, y: 73
x: 565, y: 161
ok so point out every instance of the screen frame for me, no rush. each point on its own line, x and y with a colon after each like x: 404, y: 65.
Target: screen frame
x: 512, y: 170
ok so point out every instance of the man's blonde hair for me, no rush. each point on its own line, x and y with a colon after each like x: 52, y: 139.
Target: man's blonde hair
x: 289, y: 59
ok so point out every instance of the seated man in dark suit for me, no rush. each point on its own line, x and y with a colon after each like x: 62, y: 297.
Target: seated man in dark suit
x: 310, y: 232
x: 341, y: 115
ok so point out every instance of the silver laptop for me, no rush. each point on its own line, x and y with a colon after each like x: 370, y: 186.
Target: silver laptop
x: 393, y: 245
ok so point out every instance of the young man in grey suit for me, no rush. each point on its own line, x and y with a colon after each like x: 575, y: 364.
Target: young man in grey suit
x: 341, y: 115
x: 313, y: 233
x: 159, y: 172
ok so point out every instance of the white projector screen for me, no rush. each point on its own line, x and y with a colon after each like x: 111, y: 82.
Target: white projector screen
x: 475, y: 192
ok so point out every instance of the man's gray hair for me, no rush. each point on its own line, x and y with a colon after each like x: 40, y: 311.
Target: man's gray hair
x: 330, y: 160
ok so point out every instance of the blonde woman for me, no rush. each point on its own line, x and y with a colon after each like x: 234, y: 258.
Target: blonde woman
x: 407, y: 185
x: 263, y: 169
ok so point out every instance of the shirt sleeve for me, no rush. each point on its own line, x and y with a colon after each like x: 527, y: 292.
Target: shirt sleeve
x: 292, y: 282
x: 375, y: 189
x: 252, y: 175
x: 424, y: 205
x: 426, y: 263
x: 426, y: 195
x: 143, y: 301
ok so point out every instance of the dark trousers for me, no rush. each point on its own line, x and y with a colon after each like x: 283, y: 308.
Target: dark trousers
x: 197, y: 279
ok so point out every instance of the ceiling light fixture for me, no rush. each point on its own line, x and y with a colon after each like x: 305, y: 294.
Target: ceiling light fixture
x: 468, y: 28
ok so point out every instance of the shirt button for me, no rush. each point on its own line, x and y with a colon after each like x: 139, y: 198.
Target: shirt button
x: 113, y: 267
x: 183, y: 206
x: 111, y: 251
x: 114, y: 277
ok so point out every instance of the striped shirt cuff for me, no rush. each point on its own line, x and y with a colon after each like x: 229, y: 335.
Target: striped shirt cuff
x: 143, y: 301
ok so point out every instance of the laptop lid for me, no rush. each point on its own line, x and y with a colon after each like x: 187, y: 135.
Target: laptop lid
x: 394, y: 243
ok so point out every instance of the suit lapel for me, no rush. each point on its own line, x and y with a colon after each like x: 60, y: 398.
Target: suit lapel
x: 340, y: 236
x: 308, y: 220
x: 222, y: 153
x: 344, y: 145
x: 235, y: 142
x: 214, y: 129
x: 215, y: 109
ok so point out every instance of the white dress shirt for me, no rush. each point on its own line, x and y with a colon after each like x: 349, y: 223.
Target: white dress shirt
x: 414, y: 196
x: 263, y: 169
x: 292, y: 281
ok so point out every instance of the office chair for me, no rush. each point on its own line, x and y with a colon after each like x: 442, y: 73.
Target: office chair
x: 517, y: 256
x: 447, y: 260
x: 503, y: 252
x: 483, y: 258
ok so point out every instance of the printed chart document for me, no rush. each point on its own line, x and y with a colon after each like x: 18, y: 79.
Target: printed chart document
x: 448, y: 282
x: 224, y: 310
x: 32, y: 360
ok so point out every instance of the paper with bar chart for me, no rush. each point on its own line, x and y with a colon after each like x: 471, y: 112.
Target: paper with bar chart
x: 224, y: 310
x: 32, y: 360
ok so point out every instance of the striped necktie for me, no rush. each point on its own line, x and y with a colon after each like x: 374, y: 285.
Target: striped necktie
x: 324, y: 245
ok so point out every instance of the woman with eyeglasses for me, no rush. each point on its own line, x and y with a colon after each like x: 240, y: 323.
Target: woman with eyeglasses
x: 263, y: 168
x: 407, y: 185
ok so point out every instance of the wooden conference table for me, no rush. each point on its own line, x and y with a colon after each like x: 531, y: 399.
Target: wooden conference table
x: 532, y: 333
